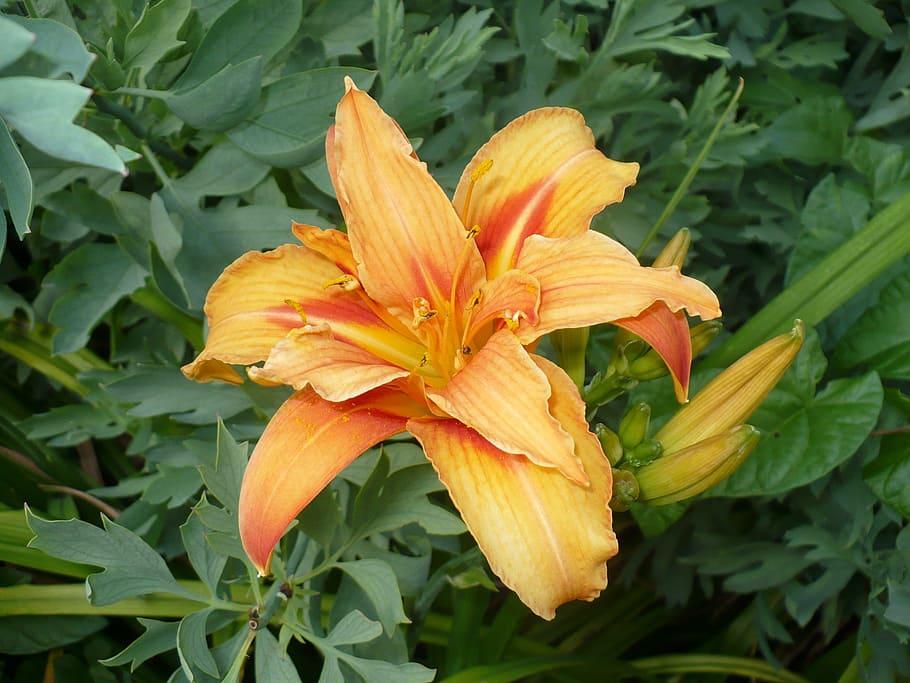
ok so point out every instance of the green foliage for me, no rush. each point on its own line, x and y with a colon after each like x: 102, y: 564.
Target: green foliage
x: 146, y: 145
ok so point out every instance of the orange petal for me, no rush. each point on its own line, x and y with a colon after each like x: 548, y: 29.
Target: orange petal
x: 333, y: 244
x: 545, y: 537
x: 405, y: 235
x: 513, y: 296
x: 261, y: 297
x: 592, y: 279
x: 305, y: 445
x: 546, y: 177
x: 338, y: 371
x: 668, y: 333
x: 503, y: 395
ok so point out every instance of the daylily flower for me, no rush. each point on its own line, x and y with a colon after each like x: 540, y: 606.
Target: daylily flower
x: 420, y: 317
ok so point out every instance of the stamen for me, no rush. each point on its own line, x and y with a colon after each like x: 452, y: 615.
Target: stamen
x: 475, y: 300
x: 511, y: 319
x: 473, y: 232
x: 347, y: 282
x: 424, y: 360
x: 297, y: 306
x: 482, y: 168
x: 422, y: 312
x: 466, y: 350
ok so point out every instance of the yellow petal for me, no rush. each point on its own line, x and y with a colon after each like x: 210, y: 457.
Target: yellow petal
x: 336, y: 369
x: 332, y: 244
x: 405, y: 235
x: 546, y: 177
x: 545, y: 537
x: 668, y: 334
x: 512, y: 296
x: 261, y: 297
x: 591, y: 279
x: 305, y: 445
x: 503, y: 395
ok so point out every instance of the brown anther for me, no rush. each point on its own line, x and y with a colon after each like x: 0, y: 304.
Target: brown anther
x: 473, y: 232
x: 466, y: 350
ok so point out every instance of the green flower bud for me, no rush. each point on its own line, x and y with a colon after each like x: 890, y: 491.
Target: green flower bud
x: 634, y: 425
x: 674, y: 254
x: 625, y: 490
x: 695, y: 469
x: 644, y: 453
x: 732, y: 396
x: 609, y: 441
x: 570, y: 346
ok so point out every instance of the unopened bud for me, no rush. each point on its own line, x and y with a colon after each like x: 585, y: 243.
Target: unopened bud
x: 703, y: 334
x: 674, y: 253
x: 625, y: 490
x: 570, y: 346
x: 695, y: 469
x: 732, y: 396
x: 644, y: 453
x: 609, y: 441
x: 634, y: 425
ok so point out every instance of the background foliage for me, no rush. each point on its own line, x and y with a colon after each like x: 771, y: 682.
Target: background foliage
x: 142, y: 148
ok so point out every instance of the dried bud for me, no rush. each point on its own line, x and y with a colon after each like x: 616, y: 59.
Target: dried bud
x: 634, y: 425
x: 609, y: 441
x: 625, y: 490
x: 695, y: 469
x: 732, y: 396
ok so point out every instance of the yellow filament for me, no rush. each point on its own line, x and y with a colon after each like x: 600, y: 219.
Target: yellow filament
x: 482, y: 169
x: 297, y: 306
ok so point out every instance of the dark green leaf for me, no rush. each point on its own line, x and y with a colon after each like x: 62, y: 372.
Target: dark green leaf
x: 289, y: 127
x: 130, y: 566
x: 272, y: 662
x: 30, y: 635
x: 221, y: 101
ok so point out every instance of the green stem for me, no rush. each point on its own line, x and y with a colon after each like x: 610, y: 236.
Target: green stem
x: 884, y: 241
x: 693, y: 170
x: 136, y: 128
x: 39, y: 359
x: 31, y: 9
x: 155, y: 303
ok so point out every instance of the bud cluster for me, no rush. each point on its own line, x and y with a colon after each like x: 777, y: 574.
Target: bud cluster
x: 705, y: 441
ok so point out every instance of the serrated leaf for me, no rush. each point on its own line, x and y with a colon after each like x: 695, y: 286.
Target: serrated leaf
x: 377, y: 580
x: 130, y: 566
x: 192, y: 646
x: 207, y: 564
x: 221, y: 101
x: 15, y: 182
x: 272, y: 662
x: 289, y: 127
x: 165, y: 391
x: 155, y: 34
x: 158, y: 637
x: 225, y: 475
